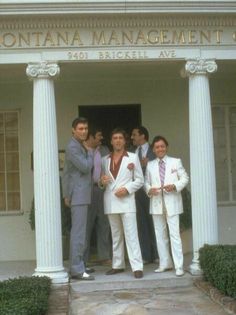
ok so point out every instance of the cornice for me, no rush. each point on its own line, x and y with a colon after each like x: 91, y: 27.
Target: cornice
x: 114, y: 7
x: 131, y: 21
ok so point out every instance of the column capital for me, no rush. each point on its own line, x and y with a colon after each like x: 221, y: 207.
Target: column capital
x: 199, y: 66
x: 42, y: 70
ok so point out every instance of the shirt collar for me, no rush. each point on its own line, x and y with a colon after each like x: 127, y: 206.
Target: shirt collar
x: 144, y: 146
x: 163, y: 159
x: 125, y: 153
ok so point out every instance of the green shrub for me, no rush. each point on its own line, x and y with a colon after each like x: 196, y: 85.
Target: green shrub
x: 24, y: 296
x: 218, y: 263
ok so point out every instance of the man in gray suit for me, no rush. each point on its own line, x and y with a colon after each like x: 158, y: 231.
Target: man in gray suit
x: 76, y: 184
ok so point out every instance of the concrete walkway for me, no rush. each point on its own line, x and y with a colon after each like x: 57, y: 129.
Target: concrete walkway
x: 155, y: 294
x: 160, y: 301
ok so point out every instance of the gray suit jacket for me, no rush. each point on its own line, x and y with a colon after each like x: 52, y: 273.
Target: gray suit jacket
x: 76, y: 178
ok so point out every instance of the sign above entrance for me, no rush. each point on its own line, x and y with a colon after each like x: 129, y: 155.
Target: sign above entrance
x: 23, y: 40
x: 74, y: 38
x: 131, y: 54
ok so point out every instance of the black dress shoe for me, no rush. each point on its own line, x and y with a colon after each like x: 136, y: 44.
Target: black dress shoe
x: 82, y: 276
x: 89, y: 270
x: 138, y: 274
x: 114, y: 271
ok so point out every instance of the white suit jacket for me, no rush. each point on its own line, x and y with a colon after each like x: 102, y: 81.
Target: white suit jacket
x: 132, y: 180
x: 174, y: 174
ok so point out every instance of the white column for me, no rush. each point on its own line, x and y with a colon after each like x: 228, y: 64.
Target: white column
x: 202, y: 161
x: 46, y: 174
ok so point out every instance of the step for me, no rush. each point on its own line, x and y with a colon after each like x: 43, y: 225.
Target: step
x: 126, y: 280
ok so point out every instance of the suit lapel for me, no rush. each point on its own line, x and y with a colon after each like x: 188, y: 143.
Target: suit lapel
x: 168, y: 168
x: 108, y: 168
x: 122, y: 166
x: 156, y: 171
x: 115, y: 181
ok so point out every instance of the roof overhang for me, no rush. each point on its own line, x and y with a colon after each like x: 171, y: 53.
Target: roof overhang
x: 45, y: 7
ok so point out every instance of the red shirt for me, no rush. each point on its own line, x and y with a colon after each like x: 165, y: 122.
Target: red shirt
x: 114, y: 167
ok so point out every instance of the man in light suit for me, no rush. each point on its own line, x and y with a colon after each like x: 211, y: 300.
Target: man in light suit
x: 122, y: 176
x: 147, y: 239
x: 76, y: 185
x: 165, y: 178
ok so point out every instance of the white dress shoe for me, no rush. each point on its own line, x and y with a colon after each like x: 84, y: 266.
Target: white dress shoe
x: 163, y: 269
x: 83, y: 276
x: 179, y: 272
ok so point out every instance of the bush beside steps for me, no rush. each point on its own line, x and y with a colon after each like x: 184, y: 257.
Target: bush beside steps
x: 24, y: 296
x: 218, y: 263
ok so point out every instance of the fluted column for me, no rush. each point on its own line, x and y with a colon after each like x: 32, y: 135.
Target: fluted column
x: 46, y: 174
x: 202, y: 162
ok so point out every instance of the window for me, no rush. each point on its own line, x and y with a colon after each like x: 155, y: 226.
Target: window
x: 224, y: 124
x: 10, y: 200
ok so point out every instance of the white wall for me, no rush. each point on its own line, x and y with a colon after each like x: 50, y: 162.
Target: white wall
x: 17, y: 238
x: 227, y: 224
x: 223, y: 92
x: 164, y: 111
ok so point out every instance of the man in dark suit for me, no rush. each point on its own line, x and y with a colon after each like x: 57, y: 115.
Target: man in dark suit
x: 76, y: 185
x: 140, y: 137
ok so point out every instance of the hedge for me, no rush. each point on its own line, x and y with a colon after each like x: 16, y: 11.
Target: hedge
x: 24, y: 296
x: 218, y: 263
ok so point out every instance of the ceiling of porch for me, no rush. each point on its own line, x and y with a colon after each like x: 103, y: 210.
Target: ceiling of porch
x: 115, y: 71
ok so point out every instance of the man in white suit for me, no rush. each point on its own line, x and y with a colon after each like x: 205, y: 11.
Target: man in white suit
x: 122, y: 176
x: 165, y: 178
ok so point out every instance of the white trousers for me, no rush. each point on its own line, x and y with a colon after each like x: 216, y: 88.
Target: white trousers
x: 124, y: 227
x: 160, y: 225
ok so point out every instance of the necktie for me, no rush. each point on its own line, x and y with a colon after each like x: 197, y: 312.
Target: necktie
x: 162, y: 170
x: 97, y: 166
x: 140, y: 156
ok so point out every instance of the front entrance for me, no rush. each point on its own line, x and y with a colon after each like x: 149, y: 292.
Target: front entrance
x: 108, y: 117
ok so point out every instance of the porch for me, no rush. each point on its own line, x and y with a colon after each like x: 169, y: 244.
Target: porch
x: 13, y: 269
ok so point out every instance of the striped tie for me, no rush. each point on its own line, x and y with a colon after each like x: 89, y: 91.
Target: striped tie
x: 162, y: 170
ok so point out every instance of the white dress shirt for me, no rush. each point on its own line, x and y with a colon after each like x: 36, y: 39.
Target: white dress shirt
x: 144, y: 148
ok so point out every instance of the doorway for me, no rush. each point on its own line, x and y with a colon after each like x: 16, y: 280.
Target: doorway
x: 108, y: 117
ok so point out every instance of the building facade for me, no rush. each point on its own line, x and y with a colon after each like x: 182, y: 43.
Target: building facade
x: 175, y: 59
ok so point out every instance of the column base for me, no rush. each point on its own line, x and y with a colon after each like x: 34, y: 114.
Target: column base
x: 195, y: 269
x: 56, y: 277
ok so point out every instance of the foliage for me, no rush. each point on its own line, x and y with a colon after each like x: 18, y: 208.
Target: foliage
x: 186, y: 216
x: 218, y: 263
x: 24, y: 296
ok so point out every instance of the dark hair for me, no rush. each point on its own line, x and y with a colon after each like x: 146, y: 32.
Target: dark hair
x: 93, y: 130
x: 159, y: 138
x: 143, y: 131
x: 79, y: 120
x: 121, y: 131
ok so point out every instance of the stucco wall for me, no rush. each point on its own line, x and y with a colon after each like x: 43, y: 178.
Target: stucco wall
x: 17, y: 239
